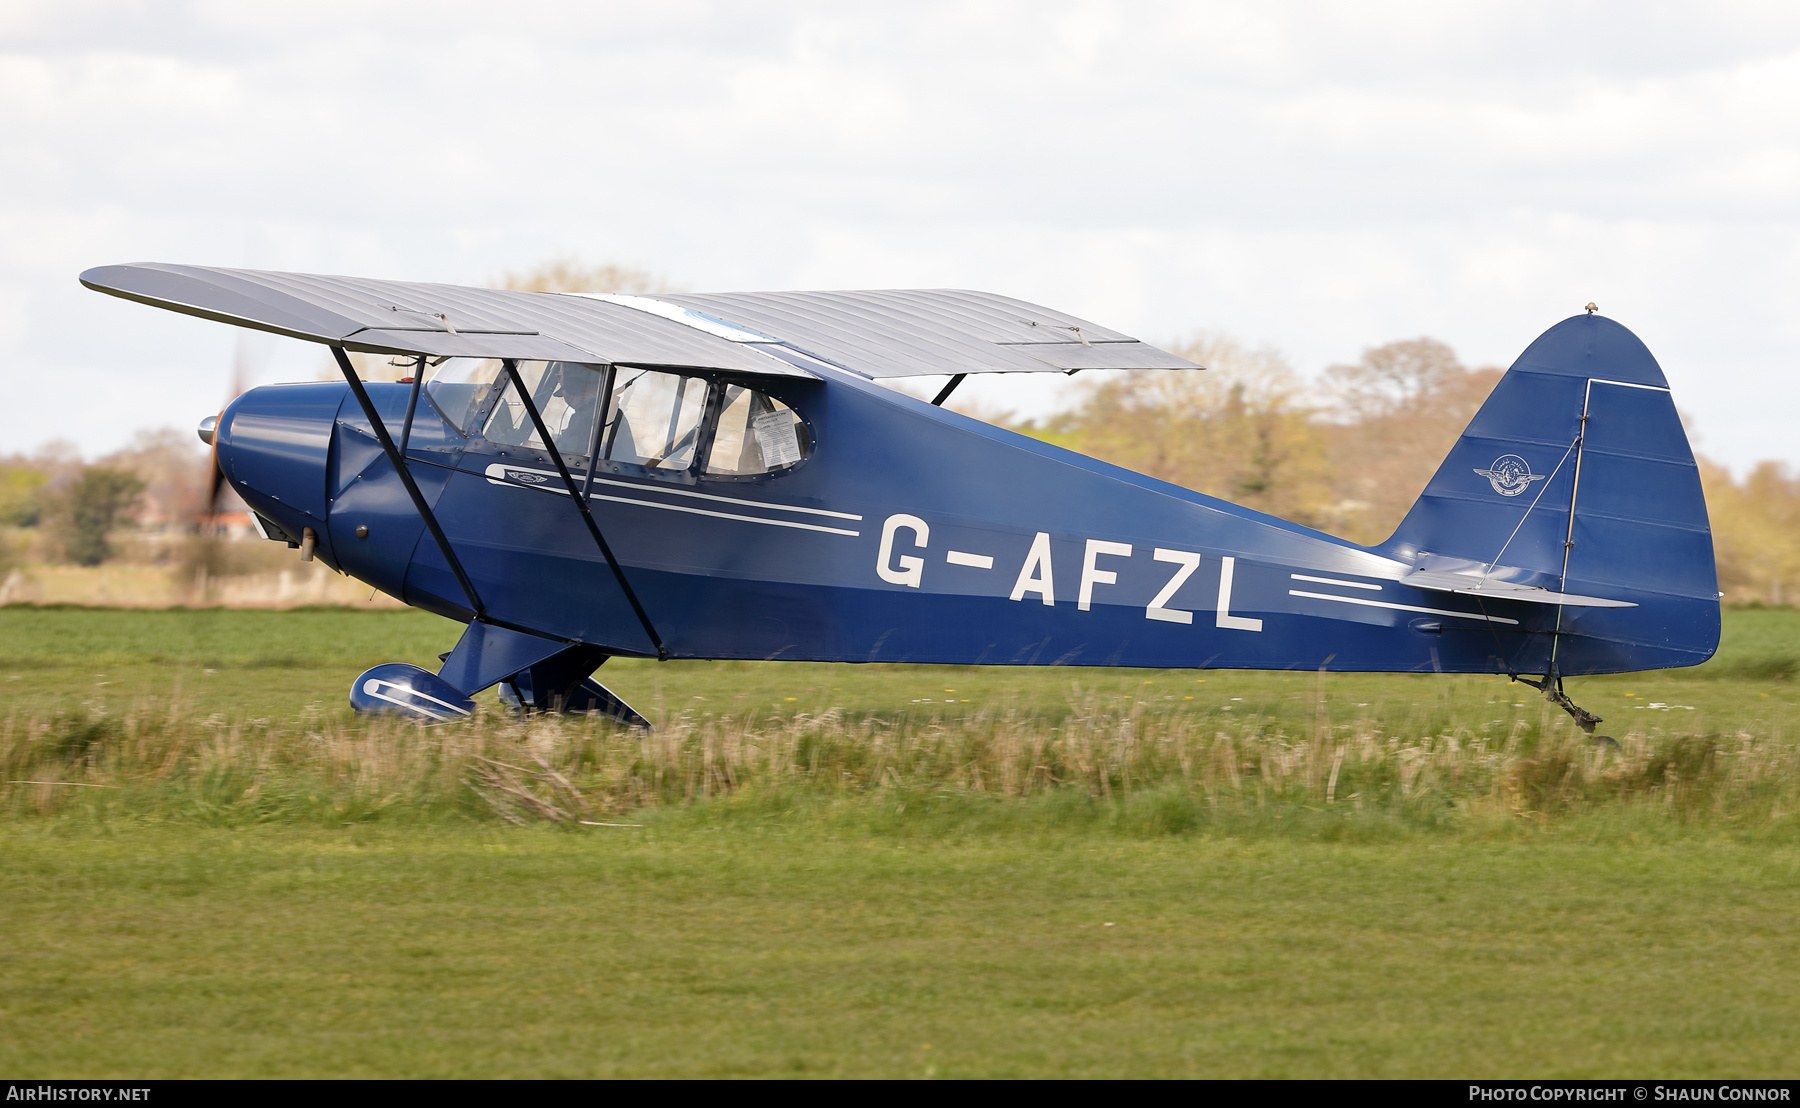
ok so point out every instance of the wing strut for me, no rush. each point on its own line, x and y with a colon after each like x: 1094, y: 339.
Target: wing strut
x: 948, y: 389
x: 412, y: 404
x: 581, y: 505
x: 412, y: 490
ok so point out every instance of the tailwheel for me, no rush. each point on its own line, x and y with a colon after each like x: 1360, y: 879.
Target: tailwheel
x: 1552, y: 688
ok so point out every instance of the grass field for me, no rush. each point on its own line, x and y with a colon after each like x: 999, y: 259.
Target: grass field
x: 679, y: 951
x: 884, y: 871
x: 277, y: 664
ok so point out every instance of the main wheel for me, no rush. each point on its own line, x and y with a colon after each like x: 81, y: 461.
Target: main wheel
x: 396, y: 688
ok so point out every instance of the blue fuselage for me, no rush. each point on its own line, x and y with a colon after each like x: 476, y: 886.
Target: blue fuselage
x: 909, y: 534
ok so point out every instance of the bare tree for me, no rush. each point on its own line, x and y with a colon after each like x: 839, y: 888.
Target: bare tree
x: 569, y: 274
x: 176, y: 471
x: 1393, y: 378
x: 1392, y: 418
x: 1240, y: 430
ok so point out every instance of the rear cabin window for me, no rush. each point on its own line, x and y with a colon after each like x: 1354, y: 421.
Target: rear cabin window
x: 756, y: 434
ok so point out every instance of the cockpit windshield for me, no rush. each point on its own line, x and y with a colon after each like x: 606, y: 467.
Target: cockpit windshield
x: 459, y: 386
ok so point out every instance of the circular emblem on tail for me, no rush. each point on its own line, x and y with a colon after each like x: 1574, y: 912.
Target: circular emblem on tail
x: 1510, y: 475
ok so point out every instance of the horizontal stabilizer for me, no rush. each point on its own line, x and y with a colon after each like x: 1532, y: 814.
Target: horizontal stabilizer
x: 1465, y: 585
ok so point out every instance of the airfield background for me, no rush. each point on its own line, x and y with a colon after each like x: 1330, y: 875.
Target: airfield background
x: 1346, y: 451
x: 210, y: 868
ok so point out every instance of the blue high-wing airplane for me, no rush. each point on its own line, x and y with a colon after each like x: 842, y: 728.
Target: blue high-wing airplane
x: 721, y: 476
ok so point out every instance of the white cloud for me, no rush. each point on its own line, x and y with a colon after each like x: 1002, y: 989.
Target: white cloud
x: 1319, y: 177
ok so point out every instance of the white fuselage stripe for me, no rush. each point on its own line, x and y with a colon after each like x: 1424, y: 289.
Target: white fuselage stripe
x: 1335, y: 581
x: 728, y: 499
x: 722, y: 515
x: 680, y: 492
x: 497, y: 474
x: 1400, y: 607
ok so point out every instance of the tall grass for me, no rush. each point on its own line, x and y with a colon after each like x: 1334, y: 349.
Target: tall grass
x: 1157, y: 771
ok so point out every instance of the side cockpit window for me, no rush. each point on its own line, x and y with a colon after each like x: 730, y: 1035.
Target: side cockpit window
x: 566, y: 395
x: 756, y: 434
x: 668, y: 420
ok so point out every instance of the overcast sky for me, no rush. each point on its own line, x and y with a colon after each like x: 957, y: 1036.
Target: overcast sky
x: 1315, y: 177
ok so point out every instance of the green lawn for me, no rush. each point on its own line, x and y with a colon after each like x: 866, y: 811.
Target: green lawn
x: 683, y: 952
x: 275, y: 664
x: 852, y: 870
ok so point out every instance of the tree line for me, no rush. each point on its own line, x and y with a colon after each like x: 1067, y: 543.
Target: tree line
x: 55, y: 508
x: 1347, y: 453
x: 1350, y: 452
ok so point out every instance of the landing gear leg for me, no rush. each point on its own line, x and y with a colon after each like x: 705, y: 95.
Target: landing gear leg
x: 563, y: 683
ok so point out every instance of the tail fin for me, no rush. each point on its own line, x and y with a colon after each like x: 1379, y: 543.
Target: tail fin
x: 1576, y: 476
